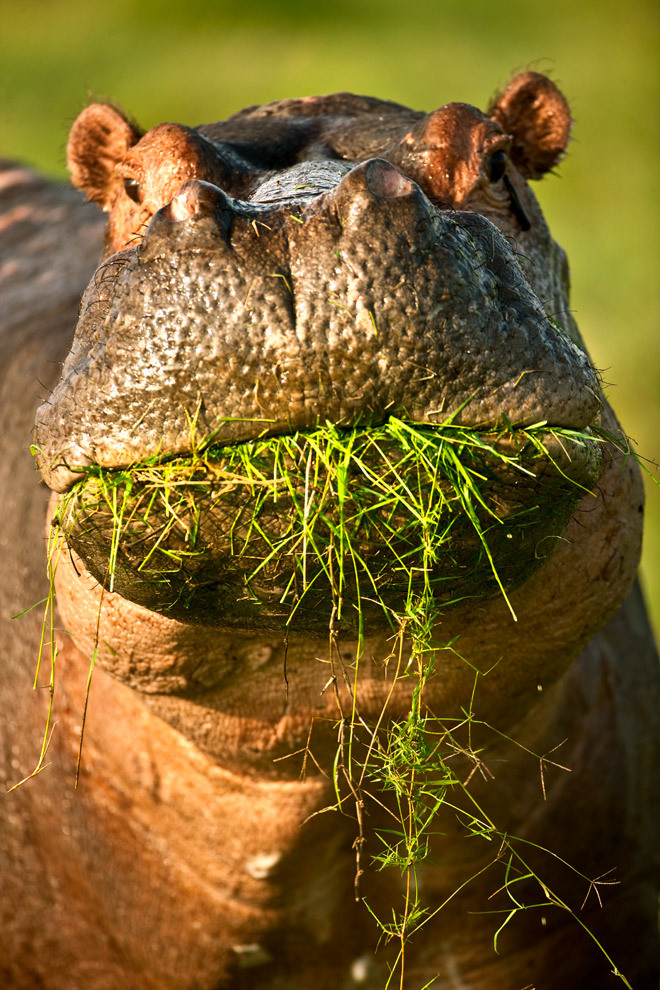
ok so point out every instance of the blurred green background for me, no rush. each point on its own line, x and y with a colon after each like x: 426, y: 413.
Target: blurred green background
x: 202, y: 60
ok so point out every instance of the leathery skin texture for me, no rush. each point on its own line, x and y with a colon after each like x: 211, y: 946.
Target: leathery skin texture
x: 337, y: 259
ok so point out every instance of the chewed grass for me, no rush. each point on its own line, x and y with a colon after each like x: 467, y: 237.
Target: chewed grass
x: 351, y: 531
x: 331, y: 525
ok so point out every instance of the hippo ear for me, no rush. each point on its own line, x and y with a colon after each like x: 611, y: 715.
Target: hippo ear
x: 535, y: 113
x: 100, y: 138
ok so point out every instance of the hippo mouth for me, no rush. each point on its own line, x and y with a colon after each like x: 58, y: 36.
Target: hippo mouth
x: 262, y: 335
x: 345, y: 527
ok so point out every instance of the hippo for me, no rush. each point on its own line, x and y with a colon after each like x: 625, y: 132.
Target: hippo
x: 336, y: 267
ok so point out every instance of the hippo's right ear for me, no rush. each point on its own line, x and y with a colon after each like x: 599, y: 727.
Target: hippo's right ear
x: 100, y: 138
x: 537, y: 116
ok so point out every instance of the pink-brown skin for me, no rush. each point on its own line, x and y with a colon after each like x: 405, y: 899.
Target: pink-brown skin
x: 187, y: 857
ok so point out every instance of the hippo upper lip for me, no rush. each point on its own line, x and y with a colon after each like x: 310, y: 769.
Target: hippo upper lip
x: 365, y: 302
x: 62, y: 477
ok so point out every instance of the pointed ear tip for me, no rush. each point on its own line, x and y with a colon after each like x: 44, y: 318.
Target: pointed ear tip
x: 527, y: 88
x: 105, y: 117
x: 92, y: 112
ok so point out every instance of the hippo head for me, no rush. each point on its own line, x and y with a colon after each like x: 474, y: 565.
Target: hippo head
x: 329, y: 267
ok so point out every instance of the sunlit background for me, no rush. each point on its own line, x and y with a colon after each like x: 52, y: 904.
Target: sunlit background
x: 202, y: 60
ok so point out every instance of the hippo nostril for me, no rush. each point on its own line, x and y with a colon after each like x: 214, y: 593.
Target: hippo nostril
x: 210, y: 214
x: 197, y: 198
x: 383, y: 179
x: 375, y: 183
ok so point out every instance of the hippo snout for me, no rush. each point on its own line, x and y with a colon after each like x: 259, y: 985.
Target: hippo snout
x: 344, y: 305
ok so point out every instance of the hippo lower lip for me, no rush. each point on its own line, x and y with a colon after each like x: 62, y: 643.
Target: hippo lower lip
x: 256, y: 528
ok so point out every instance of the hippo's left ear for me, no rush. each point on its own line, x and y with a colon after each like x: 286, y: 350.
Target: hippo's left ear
x: 99, y: 139
x: 535, y: 113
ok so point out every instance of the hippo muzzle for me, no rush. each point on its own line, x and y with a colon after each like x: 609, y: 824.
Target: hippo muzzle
x: 335, y: 297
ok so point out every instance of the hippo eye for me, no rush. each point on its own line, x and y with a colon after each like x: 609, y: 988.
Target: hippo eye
x: 132, y: 189
x: 497, y: 166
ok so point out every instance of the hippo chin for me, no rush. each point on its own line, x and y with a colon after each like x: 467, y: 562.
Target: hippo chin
x: 298, y: 313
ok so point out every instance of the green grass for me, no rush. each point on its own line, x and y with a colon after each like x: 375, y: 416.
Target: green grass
x: 332, y: 523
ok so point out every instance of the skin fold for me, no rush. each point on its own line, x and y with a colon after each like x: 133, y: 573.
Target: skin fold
x: 193, y: 852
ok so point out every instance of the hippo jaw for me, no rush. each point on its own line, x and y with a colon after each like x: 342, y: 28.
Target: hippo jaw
x: 236, y: 321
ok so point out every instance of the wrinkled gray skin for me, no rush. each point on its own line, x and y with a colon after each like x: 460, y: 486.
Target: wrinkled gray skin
x: 277, y: 327
x: 183, y: 860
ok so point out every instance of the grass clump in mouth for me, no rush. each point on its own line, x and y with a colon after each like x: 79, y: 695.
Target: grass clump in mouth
x: 329, y: 525
x: 353, y: 531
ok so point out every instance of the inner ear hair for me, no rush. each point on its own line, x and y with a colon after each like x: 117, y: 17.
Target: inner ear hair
x: 100, y: 137
x: 537, y: 116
